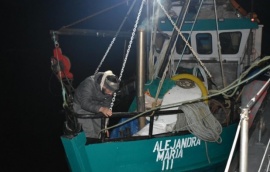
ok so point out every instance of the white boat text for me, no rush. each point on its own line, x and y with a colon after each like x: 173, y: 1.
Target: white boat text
x: 169, y: 150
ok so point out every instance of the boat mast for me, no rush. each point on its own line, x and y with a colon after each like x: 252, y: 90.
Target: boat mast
x: 140, y: 70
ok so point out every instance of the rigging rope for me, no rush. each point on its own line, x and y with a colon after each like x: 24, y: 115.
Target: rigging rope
x: 116, y: 35
x: 124, y: 63
x: 219, y: 47
x: 241, y: 77
x: 100, y: 12
x: 127, y: 53
x: 151, y: 65
x: 167, y: 65
x: 173, y: 48
x: 191, y: 30
x: 184, y: 39
x: 129, y: 47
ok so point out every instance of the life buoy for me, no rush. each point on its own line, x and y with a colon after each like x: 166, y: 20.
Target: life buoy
x: 194, y: 79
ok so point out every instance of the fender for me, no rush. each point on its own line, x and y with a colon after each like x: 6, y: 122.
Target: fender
x: 61, y: 64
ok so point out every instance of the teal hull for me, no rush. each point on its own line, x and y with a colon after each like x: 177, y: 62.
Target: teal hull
x: 173, y: 153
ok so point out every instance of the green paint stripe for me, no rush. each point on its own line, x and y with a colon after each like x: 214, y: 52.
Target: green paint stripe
x: 210, y: 24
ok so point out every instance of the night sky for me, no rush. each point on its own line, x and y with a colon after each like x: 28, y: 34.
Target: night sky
x: 32, y: 121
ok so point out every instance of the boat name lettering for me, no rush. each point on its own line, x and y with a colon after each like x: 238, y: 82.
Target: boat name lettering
x: 169, y: 150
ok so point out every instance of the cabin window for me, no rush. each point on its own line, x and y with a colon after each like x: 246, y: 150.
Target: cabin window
x: 204, y: 43
x: 180, y: 45
x: 230, y: 42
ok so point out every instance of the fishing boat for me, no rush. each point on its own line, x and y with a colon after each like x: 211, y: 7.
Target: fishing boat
x: 196, y: 63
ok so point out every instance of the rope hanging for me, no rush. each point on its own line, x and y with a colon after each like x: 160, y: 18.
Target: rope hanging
x: 199, y: 120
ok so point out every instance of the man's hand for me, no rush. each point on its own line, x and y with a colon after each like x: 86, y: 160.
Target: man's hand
x: 106, y: 111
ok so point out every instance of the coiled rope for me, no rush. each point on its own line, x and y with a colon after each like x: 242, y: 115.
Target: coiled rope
x: 199, y: 120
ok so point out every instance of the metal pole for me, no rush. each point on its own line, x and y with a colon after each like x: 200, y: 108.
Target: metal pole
x: 232, y: 149
x: 264, y: 157
x: 244, y: 141
x: 244, y: 129
x: 244, y: 133
x: 148, y: 38
x: 141, y: 74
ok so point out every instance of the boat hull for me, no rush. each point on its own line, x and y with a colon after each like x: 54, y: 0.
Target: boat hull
x: 173, y: 153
